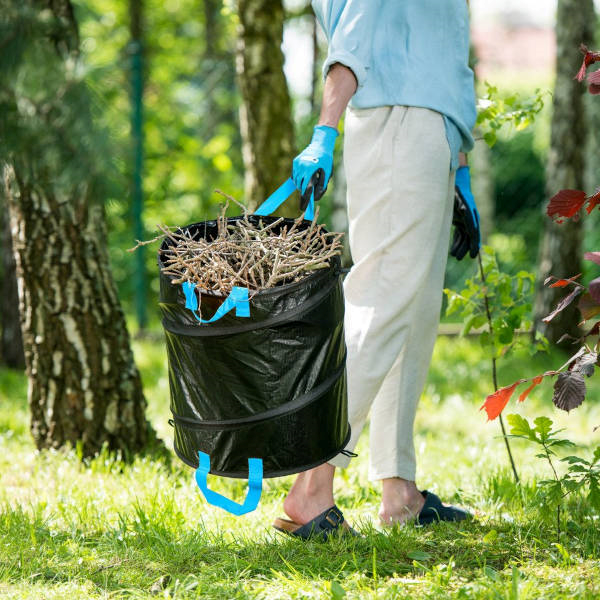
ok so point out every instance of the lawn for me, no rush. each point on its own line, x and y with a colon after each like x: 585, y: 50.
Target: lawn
x: 107, y: 529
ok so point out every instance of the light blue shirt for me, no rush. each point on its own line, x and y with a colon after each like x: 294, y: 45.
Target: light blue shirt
x: 406, y: 52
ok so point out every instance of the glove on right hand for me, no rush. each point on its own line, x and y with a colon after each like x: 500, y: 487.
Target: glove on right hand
x: 313, y: 166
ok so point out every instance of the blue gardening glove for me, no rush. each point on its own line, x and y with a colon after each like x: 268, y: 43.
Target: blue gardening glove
x: 465, y: 219
x: 313, y: 166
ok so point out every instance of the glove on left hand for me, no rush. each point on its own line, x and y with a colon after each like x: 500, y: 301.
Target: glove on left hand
x: 313, y: 166
x: 465, y: 219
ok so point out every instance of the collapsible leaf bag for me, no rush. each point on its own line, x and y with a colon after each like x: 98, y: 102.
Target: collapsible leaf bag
x: 260, y: 386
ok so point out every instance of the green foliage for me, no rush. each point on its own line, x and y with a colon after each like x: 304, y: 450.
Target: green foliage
x: 191, y: 128
x: 47, y: 110
x: 495, y: 111
x: 581, y: 475
x: 519, y: 177
x: 508, y: 299
x: 541, y: 433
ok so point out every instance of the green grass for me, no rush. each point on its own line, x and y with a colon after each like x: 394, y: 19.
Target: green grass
x: 140, y: 530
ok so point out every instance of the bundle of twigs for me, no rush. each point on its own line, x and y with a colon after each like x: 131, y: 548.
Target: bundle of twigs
x: 248, y: 253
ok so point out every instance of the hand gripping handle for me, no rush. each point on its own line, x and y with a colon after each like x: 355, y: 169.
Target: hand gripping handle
x: 255, y: 476
x: 279, y: 196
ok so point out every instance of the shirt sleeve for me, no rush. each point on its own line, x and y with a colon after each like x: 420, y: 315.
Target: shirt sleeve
x: 349, y: 26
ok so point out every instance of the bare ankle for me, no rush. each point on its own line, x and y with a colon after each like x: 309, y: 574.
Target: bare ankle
x: 311, y: 494
x: 400, y: 500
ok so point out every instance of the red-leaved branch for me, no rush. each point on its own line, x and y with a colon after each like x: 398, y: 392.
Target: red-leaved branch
x: 593, y: 78
x: 569, y: 387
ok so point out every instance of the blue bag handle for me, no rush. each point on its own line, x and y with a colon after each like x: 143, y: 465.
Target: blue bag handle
x: 279, y: 196
x: 255, y: 477
x: 237, y: 299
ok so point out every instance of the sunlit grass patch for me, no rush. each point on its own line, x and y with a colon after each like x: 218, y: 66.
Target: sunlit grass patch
x: 139, y: 529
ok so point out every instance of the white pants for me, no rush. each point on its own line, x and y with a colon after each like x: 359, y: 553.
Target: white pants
x: 400, y: 200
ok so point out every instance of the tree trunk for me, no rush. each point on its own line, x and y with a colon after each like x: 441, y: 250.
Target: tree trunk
x: 84, y: 387
x: 136, y: 51
x: 11, y: 345
x: 560, y: 250
x: 265, y: 113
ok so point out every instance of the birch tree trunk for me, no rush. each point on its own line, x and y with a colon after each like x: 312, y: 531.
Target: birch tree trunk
x: 84, y: 387
x: 265, y: 113
x: 560, y: 249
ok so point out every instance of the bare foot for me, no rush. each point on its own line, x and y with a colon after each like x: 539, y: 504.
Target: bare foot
x: 311, y: 494
x: 401, y: 501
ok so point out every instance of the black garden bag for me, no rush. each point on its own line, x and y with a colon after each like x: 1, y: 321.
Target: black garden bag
x: 270, y: 386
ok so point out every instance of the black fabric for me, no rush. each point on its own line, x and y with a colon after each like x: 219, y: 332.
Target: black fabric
x: 272, y: 386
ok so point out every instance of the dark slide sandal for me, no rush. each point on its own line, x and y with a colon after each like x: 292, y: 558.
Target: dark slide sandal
x: 433, y: 511
x: 329, y: 522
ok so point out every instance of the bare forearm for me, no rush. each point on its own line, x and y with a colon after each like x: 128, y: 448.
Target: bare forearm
x: 340, y: 86
x: 462, y: 160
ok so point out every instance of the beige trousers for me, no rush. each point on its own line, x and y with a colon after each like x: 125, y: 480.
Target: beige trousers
x: 400, y: 200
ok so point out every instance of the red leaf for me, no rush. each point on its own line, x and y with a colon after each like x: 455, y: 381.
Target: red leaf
x: 593, y: 80
x: 536, y: 381
x: 564, y: 282
x: 589, y: 58
x: 593, y: 201
x: 594, y: 289
x: 494, y: 404
x: 567, y: 203
x: 593, y: 256
x: 569, y: 390
x: 588, y: 306
x: 563, y: 304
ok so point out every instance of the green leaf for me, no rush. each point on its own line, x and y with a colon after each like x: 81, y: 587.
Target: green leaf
x: 524, y: 123
x: 520, y: 428
x: 490, y: 536
x: 505, y: 334
x: 553, y: 490
x: 485, y: 339
x: 468, y: 325
x: 594, y: 495
x: 572, y: 485
x: 574, y: 460
x: 563, y: 552
x: 578, y: 469
x: 560, y: 443
x: 490, y: 138
x: 419, y: 555
x: 337, y: 591
x: 543, y: 425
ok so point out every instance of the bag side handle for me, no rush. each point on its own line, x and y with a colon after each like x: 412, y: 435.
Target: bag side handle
x: 255, y: 478
x: 237, y: 300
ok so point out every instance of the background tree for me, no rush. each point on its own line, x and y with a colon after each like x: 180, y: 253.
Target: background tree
x: 83, y: 384
x: 265, y: 113
x: 561, y: 246
x: 136, y: 52
x: 11, y: 341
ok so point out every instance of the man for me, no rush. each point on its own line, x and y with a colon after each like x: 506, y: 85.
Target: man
x: 402, y: 66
